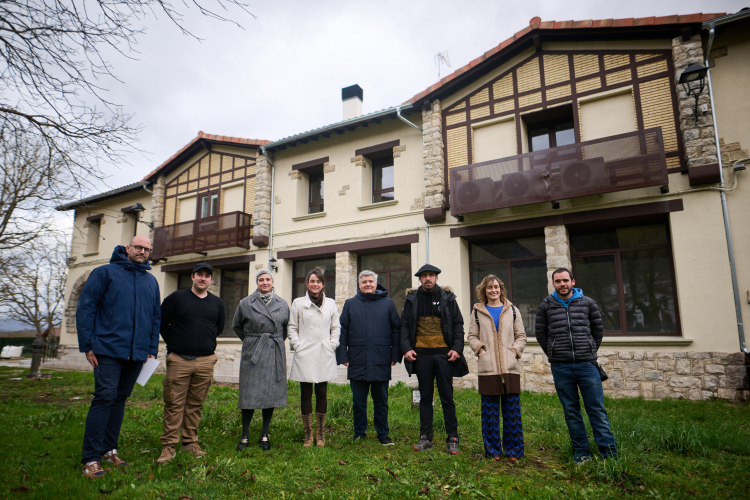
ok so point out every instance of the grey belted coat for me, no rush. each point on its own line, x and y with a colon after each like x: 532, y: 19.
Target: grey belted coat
x: 262, y: 329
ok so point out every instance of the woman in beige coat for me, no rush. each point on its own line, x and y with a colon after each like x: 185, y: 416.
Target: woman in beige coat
x: 313, y: 333
x: 497, y: 337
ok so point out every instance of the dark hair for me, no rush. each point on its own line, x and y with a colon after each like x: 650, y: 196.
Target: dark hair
x: 318, y: 273
x: 562, y: 270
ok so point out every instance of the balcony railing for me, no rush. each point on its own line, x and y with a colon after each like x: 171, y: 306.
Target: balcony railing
x: 233, y: 229
x: 627, y: 161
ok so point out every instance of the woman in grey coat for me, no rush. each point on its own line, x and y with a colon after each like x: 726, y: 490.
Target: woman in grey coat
x: 260, y: 322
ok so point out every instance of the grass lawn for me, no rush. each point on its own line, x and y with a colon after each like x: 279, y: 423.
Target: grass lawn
x: 670, y: 449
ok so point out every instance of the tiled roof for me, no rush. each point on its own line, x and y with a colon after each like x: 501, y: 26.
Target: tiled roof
x: 536, y: 23
x: 209, y: 137
x: 103, y: 196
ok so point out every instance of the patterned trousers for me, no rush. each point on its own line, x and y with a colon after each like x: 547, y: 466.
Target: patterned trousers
x: 512, y: 436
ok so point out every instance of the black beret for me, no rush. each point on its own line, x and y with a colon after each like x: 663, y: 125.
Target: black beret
x: 427, y: 267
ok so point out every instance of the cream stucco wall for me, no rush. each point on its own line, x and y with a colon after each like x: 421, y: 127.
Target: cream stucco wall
x: 730, y: 77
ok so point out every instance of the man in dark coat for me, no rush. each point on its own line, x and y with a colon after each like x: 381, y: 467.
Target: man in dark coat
x: 369, y: 346
x: 432, y: 340
x: 117, y: 319
x: 569, y: 328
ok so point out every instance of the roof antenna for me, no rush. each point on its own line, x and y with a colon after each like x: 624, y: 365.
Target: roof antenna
x: 442, y: 58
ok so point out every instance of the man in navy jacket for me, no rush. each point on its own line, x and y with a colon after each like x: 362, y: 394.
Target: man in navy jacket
x: 117, y: 319
x: 369, y: 346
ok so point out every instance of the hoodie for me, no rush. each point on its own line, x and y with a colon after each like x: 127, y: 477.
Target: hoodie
x: 119, y: 312
x: 577, y: 294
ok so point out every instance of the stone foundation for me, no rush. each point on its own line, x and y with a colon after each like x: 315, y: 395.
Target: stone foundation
x: 651, y: 375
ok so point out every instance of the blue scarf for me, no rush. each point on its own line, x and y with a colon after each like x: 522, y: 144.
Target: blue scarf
x: 577, y: 294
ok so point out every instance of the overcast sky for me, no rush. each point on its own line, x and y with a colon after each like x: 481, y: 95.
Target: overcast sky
x: 282, y: 73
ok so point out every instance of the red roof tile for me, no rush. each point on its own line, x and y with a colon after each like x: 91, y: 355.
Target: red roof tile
x: 210, y: 137
x: 536, y: 23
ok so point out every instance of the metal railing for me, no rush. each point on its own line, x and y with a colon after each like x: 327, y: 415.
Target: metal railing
x: 233, y: 229
x: 626, y: 161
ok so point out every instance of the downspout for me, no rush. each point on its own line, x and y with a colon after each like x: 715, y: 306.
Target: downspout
x: 147, y: 189
x: 723, y: 194
x: 273, y: 185
x: 426, y: 224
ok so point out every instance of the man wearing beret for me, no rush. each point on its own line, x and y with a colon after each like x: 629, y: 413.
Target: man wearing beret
x: 432, y: 340
x: 191, y: 319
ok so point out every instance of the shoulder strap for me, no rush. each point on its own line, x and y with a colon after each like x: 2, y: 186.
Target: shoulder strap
x: 476, y: 318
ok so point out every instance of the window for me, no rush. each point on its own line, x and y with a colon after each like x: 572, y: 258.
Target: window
x: 382, y: 180
x: 209, y: 205
x: 184, y: 281
x: 494, y: 140
x: 521, y: 264
x: 234, y: 285
x: 233, y: 199
x: 629, y: 273
x: 301, y: 268
x: 316, y: 193
x: 551, y: 135
x: 94, y: 233
x: 394, y: 273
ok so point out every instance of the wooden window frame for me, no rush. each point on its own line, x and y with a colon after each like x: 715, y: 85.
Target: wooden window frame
x: 380, y: 164
x: 550, y: 125
x: 386, y: 272
x: 617, y: 252
x: 310, y: 204
x: 199, y: 205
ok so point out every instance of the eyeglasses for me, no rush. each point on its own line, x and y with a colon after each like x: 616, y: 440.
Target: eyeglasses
x: 140, y: 249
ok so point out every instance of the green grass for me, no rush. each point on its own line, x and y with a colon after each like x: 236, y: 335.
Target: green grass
x: 670, y: 449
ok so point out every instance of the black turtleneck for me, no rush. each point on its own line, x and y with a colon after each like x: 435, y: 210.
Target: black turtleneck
x: 428, y: 303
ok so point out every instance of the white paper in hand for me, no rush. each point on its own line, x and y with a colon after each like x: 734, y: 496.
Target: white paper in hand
x: 149, y: 367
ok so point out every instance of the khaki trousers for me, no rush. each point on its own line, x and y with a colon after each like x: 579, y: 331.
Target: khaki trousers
x: 185, y: 389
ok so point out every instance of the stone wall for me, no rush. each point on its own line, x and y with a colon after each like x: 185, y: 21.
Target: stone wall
x: 157, y: 204
x: 698, y: 138
x: 346, y: 277
x: 432, y: 155
x: 557, y: 244
x: 654, y: 375
x: 262, y: 211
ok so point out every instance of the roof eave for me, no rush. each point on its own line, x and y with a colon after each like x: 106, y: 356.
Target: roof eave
x: 103, y: 196
x: 728, y: 19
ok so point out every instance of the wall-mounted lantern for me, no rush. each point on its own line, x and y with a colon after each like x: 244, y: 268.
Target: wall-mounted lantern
x: 693, y: 80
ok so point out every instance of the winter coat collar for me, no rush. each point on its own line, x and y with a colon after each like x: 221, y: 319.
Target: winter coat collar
x: 577, y: 294
x: 265, y: 309
x: 381, y: 292
x: 306, y: 302
x: 482, y: 308
x: 120, y: 258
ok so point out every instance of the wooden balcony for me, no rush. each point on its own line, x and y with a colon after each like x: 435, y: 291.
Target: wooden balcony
x: 233, y: 229
x: 627, y: 161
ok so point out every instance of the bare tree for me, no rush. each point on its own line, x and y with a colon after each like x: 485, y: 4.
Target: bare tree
x: 33, y: 294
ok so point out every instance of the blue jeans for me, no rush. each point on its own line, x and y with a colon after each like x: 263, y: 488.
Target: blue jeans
x: 114, y: 380
x: 584, y: 376
x: 360, y: 389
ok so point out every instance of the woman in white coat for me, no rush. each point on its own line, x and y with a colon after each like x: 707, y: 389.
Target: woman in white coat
x: 313, y: 333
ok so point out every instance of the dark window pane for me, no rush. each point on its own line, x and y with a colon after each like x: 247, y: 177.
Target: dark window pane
x: 529, y: 288
x: 184, y: 281
x: 597, y: 276
x: 384, y: 261
x: 479, y: 271
x: 214, y: 204
x: 400, y: 282
x: 314, y: 209
x: 626, y: 237
x: 301, y: 268
x: 649, y: 298
x: 316, y: 190
x: 564, y: 134
x: 234, y: 277
x: 539, y: 139
x: 522, y: 247
x: 378, y: 197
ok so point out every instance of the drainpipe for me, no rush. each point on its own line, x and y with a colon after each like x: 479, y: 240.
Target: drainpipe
x: 426, y: 224
x: 147, y: 189
x: 724, y: 209
x: 273, y: 184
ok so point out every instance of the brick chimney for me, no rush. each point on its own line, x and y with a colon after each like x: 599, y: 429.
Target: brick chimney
x: 352, y: 98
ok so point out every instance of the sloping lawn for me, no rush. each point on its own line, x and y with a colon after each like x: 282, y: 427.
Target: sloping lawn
x: 670, y: 449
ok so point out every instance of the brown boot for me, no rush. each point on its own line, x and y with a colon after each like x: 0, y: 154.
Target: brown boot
x: 308, y: 423
x: 321, y: 418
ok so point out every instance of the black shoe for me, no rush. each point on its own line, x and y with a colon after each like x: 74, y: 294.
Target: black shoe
x: 265, y: 444
x: 243, y: 443
x: 386, y: 441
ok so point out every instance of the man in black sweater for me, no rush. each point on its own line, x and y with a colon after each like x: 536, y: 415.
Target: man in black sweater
x: 190, y: 322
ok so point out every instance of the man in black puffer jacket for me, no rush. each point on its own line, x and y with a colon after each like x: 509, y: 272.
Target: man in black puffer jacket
x: 369, y: 346
x: 569, y: 329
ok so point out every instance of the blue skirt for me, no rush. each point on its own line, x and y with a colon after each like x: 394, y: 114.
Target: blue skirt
x: 511, y: 440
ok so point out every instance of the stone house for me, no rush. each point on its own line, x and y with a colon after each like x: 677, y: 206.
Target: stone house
x: 570, y: 144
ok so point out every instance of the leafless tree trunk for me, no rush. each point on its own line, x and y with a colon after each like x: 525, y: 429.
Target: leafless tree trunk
x: 33, y: 289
